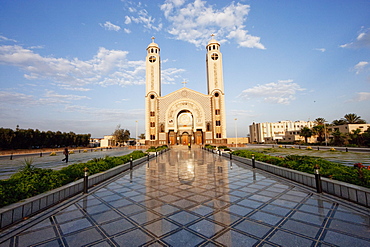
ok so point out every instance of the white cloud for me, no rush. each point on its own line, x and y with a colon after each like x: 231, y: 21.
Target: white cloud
x: 126, y: 30
x: 141, y: 16
x: 107, y: 67
x: 3, y: 38
x: 362, y: 96
x: 320, y: 49
x: 360, y: 66
x: 282, y: 92
x: 127, y: 20
x: 170, y: 75
x: 240, y: 113
x: 194, y: 22
x: 109, y: 26
x: 362, y: 40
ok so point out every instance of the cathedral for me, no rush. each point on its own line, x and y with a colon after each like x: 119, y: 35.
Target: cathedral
x: 185, y: 116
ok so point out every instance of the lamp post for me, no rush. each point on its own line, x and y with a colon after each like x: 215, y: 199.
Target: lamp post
x: 236, y: 132
x: 136, y: 135
x: 326, y: 141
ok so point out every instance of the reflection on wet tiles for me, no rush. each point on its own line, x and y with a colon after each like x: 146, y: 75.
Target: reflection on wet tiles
x: 183, y: 238
x: 286, y: 239
x: 206, y: 228
x: 223, y: 217
x: 34, y: 237
x: 131, y: 209
x: 97, y: 209
x: 276, y: 210
x: 83, y: 238
x: 352, y: 217
x: 253, y: 228
x: 302, y: 228
x: 75, y: 225
x: 201, y: 209
x: 144, y: 217
x: 266, y: 218
x: 120, y: 203
x: 284, y: 203
x: 111, y: 198
x: 133, y: 238
x: 166, y: 209
x: 183, y: 217
x: 314, y: 210
x: 183, y: 203
x: 63, y: 217
x: 239, y: 210
x: 115, y: 227
x: 250, y: 203
x: 161, y: 227
x: 311, y: 218
x: 233, y: 238
x: 105, y: 216
x: 346, y: 227
x: 344, y: 240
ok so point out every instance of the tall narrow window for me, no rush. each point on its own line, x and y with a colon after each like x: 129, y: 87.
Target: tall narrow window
x: 217, y: 111
x: 218, y: 123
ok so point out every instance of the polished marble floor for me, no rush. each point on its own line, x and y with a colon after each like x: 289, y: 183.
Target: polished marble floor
x: 196, y: 198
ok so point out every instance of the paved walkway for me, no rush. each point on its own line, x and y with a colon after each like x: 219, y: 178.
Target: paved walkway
x: 190, y: 198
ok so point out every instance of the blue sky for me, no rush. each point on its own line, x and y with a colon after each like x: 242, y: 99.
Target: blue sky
x: 79, y: 65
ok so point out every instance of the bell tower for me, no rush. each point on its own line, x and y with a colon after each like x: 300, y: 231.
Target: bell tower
x: 215, y: 83
x: 153, y: 90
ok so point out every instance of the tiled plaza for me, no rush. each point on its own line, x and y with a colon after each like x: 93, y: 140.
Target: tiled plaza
x: 196, y: 198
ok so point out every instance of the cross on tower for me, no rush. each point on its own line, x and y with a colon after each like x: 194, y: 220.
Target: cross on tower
x: 153, y: 39
x: 212, y: 35
x: 184, y: 82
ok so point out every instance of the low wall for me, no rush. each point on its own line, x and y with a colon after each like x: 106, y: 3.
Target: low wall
x: 18, y: 211
x: 353, y: 193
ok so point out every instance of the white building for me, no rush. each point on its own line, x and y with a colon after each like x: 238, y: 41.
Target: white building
x: 278, y: 131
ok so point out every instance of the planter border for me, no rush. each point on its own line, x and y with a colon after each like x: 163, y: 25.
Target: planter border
x: 16, y: 212
x: 350, y: 192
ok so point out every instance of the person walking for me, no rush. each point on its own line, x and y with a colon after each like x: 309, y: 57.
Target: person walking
x: 66, y: 153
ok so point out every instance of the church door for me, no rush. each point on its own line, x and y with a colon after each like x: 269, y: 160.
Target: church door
x: 198, y: 137
x: 185, y: 139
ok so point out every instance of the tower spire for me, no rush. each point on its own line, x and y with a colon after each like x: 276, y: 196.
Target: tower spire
x: 153, y: 38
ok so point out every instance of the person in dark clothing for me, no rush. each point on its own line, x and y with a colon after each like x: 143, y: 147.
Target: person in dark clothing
x: 66, y: 153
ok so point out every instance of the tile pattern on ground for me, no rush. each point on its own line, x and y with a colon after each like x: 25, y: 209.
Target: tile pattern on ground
x: 188, y: 198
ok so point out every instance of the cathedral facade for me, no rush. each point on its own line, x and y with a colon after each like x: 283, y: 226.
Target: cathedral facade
x: 185, y: 116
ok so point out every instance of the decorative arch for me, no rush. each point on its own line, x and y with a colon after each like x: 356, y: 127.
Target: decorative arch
x: 185, y: 105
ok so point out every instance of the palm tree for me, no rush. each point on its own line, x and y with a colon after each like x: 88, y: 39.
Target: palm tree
x: 319, y: 130
x: 352, y: 118
x: 306, y: 133
x: 339, y: 122
x: 320, y: 121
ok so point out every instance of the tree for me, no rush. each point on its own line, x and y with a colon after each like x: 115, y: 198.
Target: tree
x: 356, y: 137
x: 352, y: 118
x: 121, y: 135
x: 338, y: 138
x: 320, y: 121
x: 142, y: 136
x: 339, y: 122
x: 306, y: 133
x: 319, y: 130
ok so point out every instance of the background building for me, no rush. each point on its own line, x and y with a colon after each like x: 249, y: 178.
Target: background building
x: 278, y: 131
x: 185, y: 116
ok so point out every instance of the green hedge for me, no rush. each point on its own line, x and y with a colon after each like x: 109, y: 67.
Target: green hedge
x: 348, y: 174
x: 31, y: 181
x: 159, y: 148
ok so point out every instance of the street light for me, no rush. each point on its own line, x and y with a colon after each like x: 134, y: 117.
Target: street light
x: 236, y: 132
x: 326, y: 141
x: 136, y: 135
